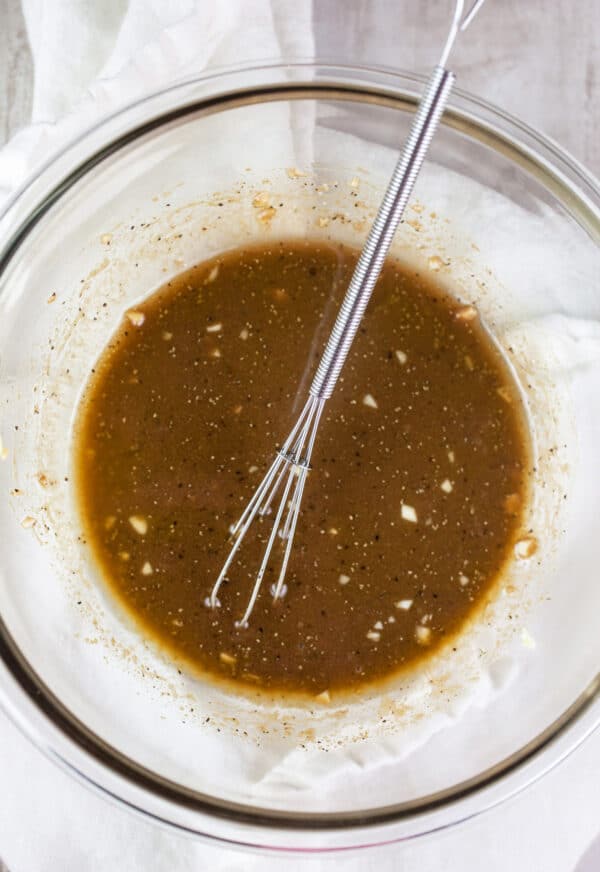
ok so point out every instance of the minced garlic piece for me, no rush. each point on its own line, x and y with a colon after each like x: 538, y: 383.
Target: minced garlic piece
x: 324, y: 697
x: 229, y: 659
x: 401, y: 357
x: 423, y: 634
x: 210, y: 278
x: 147, y: 568
x: 525, y: 548
x: 447, y: 486
x: 374, y: 636
x: 244, y: 333
x: 408, y: 513
x: 404, y: 604
x: 467, y: 313
x: 463, y: 580
x: 262, y: 200
x: 435, y: 262
x: 344, y: 579
x: 214, y: 328
x: 267, y: 214
x: 295, y: 173
x: 139, y: 524
x: 369, y: 400
x: 136, y: 318
x: 28, y: 522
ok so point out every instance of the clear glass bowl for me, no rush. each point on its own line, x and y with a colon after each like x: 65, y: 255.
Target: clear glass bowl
x: 508, y: 219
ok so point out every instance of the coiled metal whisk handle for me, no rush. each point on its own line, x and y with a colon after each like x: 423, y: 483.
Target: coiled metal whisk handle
x: 288, y: 472
x: 380, y: 238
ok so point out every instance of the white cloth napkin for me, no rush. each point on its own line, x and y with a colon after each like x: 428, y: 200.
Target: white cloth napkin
x: 89, y: 59
x: 92, y: 58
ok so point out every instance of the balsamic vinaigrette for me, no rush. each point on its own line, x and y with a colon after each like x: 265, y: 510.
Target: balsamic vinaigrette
x: 410, y: 513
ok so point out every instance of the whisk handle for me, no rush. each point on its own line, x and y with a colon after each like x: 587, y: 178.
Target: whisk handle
x: 382, y: 232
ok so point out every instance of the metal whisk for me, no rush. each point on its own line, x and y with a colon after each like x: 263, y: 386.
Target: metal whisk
x: 289, y: 470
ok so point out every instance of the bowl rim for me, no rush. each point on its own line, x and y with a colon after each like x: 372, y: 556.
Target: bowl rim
x: 23, y: 694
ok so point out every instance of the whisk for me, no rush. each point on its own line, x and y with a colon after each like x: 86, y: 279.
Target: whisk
x: 288, y: 472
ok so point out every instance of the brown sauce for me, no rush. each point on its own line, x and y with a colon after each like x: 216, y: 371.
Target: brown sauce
x: 409, y: 515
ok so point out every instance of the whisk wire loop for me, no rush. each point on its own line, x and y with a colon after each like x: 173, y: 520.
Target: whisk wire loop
x: 291, y: 465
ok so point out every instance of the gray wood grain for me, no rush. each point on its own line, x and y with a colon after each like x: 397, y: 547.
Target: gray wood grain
x: 538, y: 59
x: 15, y: 70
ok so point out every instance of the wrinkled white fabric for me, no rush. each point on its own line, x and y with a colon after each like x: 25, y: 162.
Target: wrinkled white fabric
x: 90, y: 58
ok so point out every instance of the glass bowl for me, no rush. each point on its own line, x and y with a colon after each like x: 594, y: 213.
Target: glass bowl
x: 508, y: 221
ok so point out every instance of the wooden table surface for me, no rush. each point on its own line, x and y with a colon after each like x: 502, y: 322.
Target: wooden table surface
x: 538, y: 59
